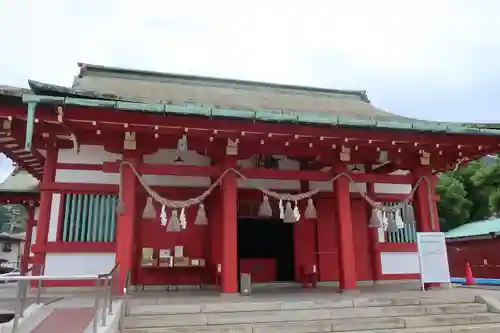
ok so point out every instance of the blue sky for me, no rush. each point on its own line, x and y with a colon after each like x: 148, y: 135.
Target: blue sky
x: 434, y: 60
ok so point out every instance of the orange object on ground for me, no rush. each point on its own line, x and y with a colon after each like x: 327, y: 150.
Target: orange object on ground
x: 469, y: 278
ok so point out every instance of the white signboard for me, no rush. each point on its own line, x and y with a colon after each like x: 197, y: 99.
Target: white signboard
x: 432, y: 257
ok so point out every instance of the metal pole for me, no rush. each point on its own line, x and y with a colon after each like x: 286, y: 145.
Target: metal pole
x: 19, y: 306
x: 96, y: 306
x: 104, y: 306
x: 111, y: 291
x: 38, y: 291
x: 24, y: 289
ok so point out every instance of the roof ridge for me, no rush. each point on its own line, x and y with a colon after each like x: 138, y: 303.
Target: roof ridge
x: 85, y: 67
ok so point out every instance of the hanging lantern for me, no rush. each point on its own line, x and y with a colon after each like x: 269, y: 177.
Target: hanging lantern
x: 265, y: 209
x: 289, y: 216
x: 201, y: 216
x: 310, y: 212
x: 149, y: 211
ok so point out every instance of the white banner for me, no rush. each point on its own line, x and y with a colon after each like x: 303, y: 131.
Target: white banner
x: 433, y: 258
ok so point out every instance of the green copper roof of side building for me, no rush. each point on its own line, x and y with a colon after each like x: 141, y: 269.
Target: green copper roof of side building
x: 473, y: 229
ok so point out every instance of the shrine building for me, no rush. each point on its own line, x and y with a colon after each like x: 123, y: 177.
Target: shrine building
x: 189, y: 181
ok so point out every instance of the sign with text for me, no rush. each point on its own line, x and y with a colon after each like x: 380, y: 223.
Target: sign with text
x: 433, y: 258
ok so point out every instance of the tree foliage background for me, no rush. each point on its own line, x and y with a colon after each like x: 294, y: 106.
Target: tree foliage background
x: 13, y: 218
x: 471, y: 193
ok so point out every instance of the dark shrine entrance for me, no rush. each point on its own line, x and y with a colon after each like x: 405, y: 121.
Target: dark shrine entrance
x: 266, y: 249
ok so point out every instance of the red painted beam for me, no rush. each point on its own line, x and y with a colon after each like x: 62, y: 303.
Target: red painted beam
x: 236, y: 126
x: 211, y: 171
x: 79, y: 188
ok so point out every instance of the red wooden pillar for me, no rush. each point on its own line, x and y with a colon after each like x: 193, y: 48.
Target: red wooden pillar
x: 29, y: 233
x: 347, y: 280
x: 424, y: 207
x: 215, y: 242
x: 42, y: 229
x: 434, y: 180
x: 229, y: 194
x: 421, y: 203
x: 125, y: 249
x: 374, y: 239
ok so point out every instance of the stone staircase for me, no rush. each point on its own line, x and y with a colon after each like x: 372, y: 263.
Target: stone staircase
x: 463, y: 314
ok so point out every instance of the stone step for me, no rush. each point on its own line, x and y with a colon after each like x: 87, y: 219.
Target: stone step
x: 136, y: 308
x: 245, y: 317
x: 484, y: 328
x: 482, y: 322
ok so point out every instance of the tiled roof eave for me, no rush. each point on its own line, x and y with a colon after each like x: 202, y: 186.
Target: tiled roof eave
x: 310, y: 118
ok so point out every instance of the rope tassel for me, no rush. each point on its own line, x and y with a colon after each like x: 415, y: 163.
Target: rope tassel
x: 289, y: 216
x: 149, y: 210
x: 391, y: 222
x: 182, y: 219
x: 120, y: 207
x: 282, y: 210
x: 201, y: 216
x: 174, y: 224
x: 296, y: 212
x: 376, y: 218
x: 310, y: 212
x: 398, y: 221
x: 265, y: 209
x: 409, y: 215
x: 163, y: 216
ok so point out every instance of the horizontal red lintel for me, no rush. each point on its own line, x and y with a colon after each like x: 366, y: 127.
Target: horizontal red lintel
x: 396, y: 247
x: 213, y: 171
x: 72, y: 247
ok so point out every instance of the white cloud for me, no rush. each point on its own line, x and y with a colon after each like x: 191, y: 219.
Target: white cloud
x: 381, y: 46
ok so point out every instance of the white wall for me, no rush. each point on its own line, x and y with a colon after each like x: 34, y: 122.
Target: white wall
x: 70, y: 264
x: 88, y: 155
x: 54, y: 217
x: 400, y: 262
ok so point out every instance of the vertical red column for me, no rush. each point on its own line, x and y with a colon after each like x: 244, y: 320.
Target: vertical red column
x: 126, y: 222
x: 434, y: 180
x: 229, y: 196
x: 374, y: 239
x: 214, y: 220
x: 29, y: 232
x: 42, y: 229
x: 421, y: 203
x: 342, y: 199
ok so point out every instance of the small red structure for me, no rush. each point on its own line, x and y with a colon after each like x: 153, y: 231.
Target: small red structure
x: 476, y: 243
x: 229, y: 176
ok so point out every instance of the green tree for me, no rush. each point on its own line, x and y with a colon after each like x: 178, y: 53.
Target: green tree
x: 13, y: 218
x: 453, y: 206
x: 477, y: 195
x: 487, y: 180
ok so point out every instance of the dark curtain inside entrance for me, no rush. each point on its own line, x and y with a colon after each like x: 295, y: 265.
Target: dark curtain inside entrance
x: 264, y: 238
